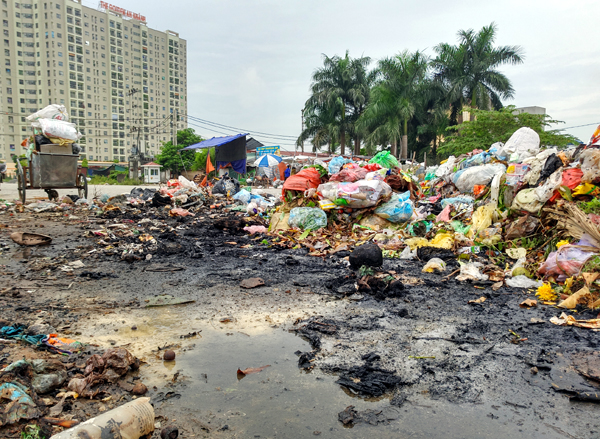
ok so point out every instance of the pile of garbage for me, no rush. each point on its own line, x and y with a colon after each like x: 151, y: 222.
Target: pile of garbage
x: 515, y: 215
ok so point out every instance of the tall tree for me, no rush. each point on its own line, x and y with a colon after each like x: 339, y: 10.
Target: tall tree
x: 171, y: 156
x: 469, y: 70
x: 341, y: 87
x: 394, y: 99
x: 321, y: 127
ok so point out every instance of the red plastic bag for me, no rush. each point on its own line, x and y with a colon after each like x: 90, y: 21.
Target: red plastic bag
x: 306, y: 179
x: 349, y: 174
x: 371, y: 167
x: 571, y: 178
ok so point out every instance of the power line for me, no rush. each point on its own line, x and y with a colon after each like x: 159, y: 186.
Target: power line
x: 197, y: 119
x: 579, y: 126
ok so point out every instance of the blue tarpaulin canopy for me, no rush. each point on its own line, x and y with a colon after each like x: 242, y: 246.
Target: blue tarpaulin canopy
x: 215, y: 141
x: 229, y: 151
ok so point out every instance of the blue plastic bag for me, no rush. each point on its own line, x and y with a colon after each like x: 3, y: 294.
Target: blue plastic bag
x: 477, y: 160
x: 398, y: 209
x: 244, y: 196
x: 336, y: 163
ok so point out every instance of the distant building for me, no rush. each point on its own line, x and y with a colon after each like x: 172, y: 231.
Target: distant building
x: 123, y: 83
x: 530, y: 110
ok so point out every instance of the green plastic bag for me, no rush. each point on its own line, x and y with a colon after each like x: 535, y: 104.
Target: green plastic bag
x: 385, y: 159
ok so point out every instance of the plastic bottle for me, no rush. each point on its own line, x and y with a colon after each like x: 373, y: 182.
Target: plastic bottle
x: 129, y: 421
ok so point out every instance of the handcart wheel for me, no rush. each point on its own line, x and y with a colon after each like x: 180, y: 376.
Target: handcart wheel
x: 82, y: 186
x: 21, y: 183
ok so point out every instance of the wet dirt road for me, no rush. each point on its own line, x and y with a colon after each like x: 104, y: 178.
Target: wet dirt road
x: 423, y: 363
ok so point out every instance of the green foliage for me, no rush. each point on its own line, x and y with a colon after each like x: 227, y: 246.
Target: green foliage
x: 592, y: 206
x: 84, y: 162
x: 171, y: 156
x: 200, y: 160
x: 112, y: 179
x: 497, y: 126
x: 32, y: 432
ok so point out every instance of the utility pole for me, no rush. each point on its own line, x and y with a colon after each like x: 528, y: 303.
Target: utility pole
x: 302, y: 117
x: 134, y: 158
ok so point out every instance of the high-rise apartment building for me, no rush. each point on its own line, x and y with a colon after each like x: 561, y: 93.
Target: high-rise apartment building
x: 123, y: 83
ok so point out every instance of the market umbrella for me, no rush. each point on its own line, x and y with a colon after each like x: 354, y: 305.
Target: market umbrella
x: 267, y: 160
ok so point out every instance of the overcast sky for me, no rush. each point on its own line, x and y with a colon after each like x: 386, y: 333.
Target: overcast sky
x: 250, y: 62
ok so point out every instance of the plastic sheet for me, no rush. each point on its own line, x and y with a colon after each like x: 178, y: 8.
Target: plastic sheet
x: 307, y: 218
x: 545, y: 191
x: 398, y: 209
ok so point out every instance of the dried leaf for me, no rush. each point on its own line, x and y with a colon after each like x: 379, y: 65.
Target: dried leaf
x: 252, y: 370
x: 590, y: 278
x: 528, y: 303
x: 573, y: 299
x: 497, y: 286
x: 477, y: 301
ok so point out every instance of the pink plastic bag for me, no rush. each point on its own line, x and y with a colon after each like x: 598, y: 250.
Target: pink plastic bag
x: 255, y: 229
x: 349, y: 174
x: 567, y: 260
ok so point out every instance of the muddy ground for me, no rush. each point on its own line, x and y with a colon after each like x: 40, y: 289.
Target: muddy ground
x: 415, y: 359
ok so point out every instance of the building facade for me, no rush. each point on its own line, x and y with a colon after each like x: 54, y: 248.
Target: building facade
x: 123, y: 83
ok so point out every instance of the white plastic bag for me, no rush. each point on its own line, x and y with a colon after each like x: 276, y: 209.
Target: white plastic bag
x: 434, y: 264
x: 527, y: 200
x: 446, y: 169
x: 522, y: 281
x: 470, y: 271
x: 59, y: 129
x: 185, y: 183
x: 545, y: 191
x: 590, y: 165
x: 465, y: 179
x: 53, y: 111
x: 524, y: 142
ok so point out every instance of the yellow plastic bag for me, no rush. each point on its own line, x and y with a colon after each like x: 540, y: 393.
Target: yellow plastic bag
x: 482, y: 219
x: 442, y: 240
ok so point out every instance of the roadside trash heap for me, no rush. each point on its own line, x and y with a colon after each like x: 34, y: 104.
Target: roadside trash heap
x: 516, y: 215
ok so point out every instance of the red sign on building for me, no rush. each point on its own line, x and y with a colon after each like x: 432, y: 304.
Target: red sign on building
x: 122, y: 11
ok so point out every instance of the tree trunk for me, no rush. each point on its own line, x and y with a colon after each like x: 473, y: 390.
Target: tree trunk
x: 394, y: 149
x: 404, y: 153
x: 473, y: 105
x: 342, y: 142
x: 357, y: 145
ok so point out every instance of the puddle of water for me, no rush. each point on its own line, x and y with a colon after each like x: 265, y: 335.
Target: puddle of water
x: 282, y: 400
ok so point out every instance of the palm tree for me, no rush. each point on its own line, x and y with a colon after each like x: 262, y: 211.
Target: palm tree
x: 341, y: 88
x: 320, y: 126
x: 394, y: 99
x: 469, y: 70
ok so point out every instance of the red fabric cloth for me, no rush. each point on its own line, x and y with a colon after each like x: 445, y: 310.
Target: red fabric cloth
x: 306, y: 179
x: 209, y: 165
x: 282, y: 167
